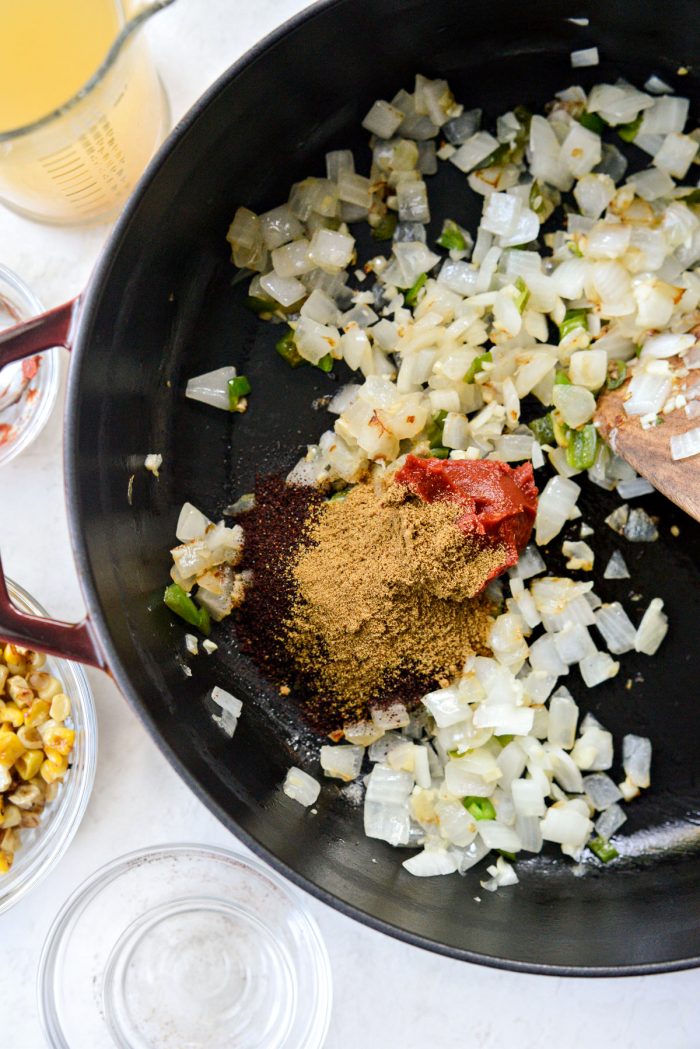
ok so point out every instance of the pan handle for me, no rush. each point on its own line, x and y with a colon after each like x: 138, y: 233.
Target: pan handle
x: 75, y: 641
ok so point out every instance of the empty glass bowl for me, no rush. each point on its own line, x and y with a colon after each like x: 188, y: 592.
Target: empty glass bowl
x: 185, y: 945
x: 42, y: 846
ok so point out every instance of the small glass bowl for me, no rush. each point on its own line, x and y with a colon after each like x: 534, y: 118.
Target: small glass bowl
x: 28, y: 389
x: 41, y: 847
x: 184, y: 945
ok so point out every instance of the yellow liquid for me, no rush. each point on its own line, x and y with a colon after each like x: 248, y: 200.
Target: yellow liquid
x: 83, y: 164
x: 49, y: 49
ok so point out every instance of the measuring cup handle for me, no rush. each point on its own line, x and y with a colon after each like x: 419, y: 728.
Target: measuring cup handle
x: 70, y: 640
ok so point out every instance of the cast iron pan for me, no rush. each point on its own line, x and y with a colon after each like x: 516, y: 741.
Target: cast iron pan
x: 163, y: 306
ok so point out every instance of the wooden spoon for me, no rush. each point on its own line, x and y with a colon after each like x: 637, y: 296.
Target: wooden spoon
x: 649, y: 451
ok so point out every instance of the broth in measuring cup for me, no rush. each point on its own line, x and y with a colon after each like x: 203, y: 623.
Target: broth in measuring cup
x: 76, y: 131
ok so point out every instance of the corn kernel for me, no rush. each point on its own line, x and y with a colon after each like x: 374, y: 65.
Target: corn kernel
x: 29, y: 763
x: 10, y: 713
x: 28, y: 796
x: 19, y: 690
x: 33, y: 659
x: 45, y: 685
x: 50, y: 771
x: 10, y: 748
x: 4, y: 674
x: 60, y: 707
x: 12, y: 818
x: 13, y: 657
x: 9, y: 839
x: 5, y: 862
x: 57, y: 737
x: 38, y: 713
x: 56, y: 756
x: 30, y: 738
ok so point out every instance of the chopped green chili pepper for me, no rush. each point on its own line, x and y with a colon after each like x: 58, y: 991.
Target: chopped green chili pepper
x: 237, y: 388
x: 561, y: 431
x: 338, y: 497
x: 182, y: 605
x: 410, y: 297
x: 628, y: 132
x: 384, y: 230
x: 477, y: 366
x: 617, y: 373
x: 573, y: 319
x: 523, y: 294
x: 543, y: 429
x: 504, y: 740
x: 692, y: 198
x: 536, y: 198
x: 541, y: 201
x: 451, y: 237
x: 582, y: 447
x: 440, y: 453
x: 524, y: 115
x: 603, y: 849
x: 574, y: 249
x: 562, y: 379
x: 507, y: 855
x: 480, y: 808
x: 593, y: 122
x: 434, y: 429
x: 258, y: 305
x: 499, y: 156
x: 326, y: 363
x: 287, y: 349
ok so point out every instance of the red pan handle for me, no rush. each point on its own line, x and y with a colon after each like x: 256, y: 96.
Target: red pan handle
x: 75, y: 641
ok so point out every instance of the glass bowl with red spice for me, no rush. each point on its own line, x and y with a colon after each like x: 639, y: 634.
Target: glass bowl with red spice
x: 28, y: 388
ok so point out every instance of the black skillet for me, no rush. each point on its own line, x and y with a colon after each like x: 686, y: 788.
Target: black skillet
x: 162, y: 306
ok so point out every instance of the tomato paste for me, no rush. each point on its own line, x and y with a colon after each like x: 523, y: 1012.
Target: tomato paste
x: 499, y: 502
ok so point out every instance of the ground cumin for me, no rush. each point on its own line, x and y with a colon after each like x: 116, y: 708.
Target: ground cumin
x: 384, y: 589
x: 360, y: 602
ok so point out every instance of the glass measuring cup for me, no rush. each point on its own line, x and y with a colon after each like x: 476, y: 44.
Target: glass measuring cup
x: 77, y: 159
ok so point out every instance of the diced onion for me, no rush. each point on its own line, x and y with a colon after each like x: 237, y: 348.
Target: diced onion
x: 431, y: 862
x: 300, y: 786
x: 616, y: 628
x: 586, y: 57
x: 610, y: 821
x: 602, y: 790
x: 565, y: 825
x: 343, y: 762
x: 652, y: 629
x: 212, y: 387
x: 557, y: 500
x: 636, y: 759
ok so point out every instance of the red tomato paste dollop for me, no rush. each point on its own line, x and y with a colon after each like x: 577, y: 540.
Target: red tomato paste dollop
x: 499, y: 502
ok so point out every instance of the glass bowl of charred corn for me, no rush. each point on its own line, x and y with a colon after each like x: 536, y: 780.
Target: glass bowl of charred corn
x: 48, y: 752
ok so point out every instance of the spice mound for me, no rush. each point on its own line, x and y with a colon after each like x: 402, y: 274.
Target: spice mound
x: 375, y: 596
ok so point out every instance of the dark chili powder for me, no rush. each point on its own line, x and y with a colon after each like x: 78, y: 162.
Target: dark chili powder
x: 273, y: 530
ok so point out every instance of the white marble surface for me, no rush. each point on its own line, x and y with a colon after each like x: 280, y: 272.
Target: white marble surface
x: 387, y: 994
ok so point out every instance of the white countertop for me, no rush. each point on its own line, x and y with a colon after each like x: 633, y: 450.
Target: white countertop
x: 386, y: 993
